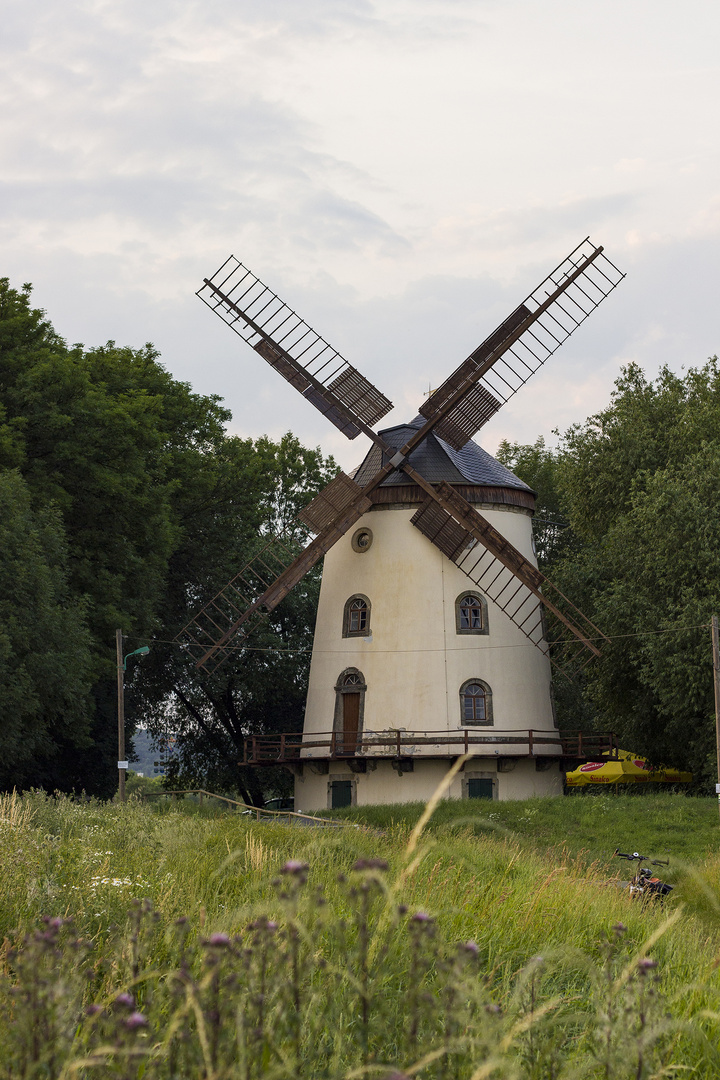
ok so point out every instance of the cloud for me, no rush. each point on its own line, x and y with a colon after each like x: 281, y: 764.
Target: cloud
x: 403, y: 172
x: 530, y: 224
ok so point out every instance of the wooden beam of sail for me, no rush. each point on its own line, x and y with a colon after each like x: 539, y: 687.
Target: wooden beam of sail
x: 471, y: 369
x: 505, y: 576
x: 294, y: 349
x: 475, y: 409
x: 257, y: 593
x: 521, y: 344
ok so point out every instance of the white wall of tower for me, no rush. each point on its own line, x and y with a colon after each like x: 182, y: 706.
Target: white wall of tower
x: 416, y: 662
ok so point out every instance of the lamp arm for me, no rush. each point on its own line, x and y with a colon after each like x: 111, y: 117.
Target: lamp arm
x: 142, y: 651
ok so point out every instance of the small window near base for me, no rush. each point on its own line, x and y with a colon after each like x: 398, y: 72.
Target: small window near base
x: 340, y: 794
x: 479, y: 789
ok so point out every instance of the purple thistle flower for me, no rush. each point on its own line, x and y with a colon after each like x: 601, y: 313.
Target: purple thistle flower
x: 93, y: 1010
x: 125, y: 999
x: 471, y: 947
x: 295, y: 867
x: 135, y: 1020
x: 421, y: 917
x: 370, y: 864
x: 646, y: 964
x: 218, y: 939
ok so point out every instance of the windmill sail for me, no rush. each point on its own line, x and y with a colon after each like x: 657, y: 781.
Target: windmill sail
x: 232, y: 615
x: 519, y: 346
x: 294, y: 349
x: 465, y: 401
x: 234, y: 611
x: 505, y: 576
x: 331, y: 501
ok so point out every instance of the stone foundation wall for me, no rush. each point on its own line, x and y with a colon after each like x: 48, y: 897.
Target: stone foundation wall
x: 517, y: 779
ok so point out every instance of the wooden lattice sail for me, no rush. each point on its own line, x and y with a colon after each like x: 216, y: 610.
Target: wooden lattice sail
x: 467, y: 399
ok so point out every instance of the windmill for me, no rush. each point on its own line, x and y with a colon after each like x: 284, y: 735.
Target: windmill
x: 440, y: 502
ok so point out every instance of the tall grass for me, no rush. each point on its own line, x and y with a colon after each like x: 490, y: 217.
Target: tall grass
x: 268, y: 950
x: 665, y: 824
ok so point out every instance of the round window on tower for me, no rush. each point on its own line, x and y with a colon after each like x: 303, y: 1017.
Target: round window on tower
x: 362, y: 540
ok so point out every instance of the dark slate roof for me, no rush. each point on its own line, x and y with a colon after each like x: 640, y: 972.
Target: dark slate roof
x: 437, y: 461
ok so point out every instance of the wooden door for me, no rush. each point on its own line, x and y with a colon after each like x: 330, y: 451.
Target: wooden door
x: 351, y: 722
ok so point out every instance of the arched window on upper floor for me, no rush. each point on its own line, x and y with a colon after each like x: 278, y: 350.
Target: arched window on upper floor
x: 471, y: 614
x: 476, y: 703
x: 356, y: 617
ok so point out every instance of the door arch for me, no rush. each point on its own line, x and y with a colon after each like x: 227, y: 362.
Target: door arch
x: 349, y: 710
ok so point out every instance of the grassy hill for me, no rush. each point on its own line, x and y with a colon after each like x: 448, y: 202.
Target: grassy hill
x: 665, y: 825
x: 494, y: 941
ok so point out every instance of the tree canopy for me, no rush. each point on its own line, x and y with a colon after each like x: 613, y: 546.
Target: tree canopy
x: 45, y: 662
x: 128, y: 504
x: 638, y: 485
x: 263, y: 690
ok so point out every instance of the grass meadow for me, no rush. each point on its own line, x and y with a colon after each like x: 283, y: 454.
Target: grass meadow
x: 169, y: 940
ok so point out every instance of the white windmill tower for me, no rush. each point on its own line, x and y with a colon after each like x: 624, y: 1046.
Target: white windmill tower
x: 407, y: 648
x: 436, y: 631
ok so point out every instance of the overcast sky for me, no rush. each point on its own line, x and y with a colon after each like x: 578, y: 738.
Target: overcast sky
x: 402, y: 172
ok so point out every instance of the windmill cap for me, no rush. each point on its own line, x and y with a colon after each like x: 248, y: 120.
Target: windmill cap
x: 437, y: 461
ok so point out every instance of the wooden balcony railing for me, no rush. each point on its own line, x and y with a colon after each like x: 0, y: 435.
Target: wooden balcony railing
x: 288, y: 749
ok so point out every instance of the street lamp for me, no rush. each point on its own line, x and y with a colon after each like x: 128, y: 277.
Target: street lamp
x: 121, y: 668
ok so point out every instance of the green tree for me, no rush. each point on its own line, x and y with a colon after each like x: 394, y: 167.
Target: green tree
x: 248, y: 492
x: 538, y: 466
x: 157, y: 506
x: 45, y: 661
x: 639, y: 484
x: 104, y: 436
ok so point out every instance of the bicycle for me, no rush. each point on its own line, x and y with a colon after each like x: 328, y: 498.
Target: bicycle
x: 643, y: 884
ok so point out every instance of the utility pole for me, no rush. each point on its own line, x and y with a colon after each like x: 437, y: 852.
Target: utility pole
x: 716, y: 682
x: 122, y: 763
